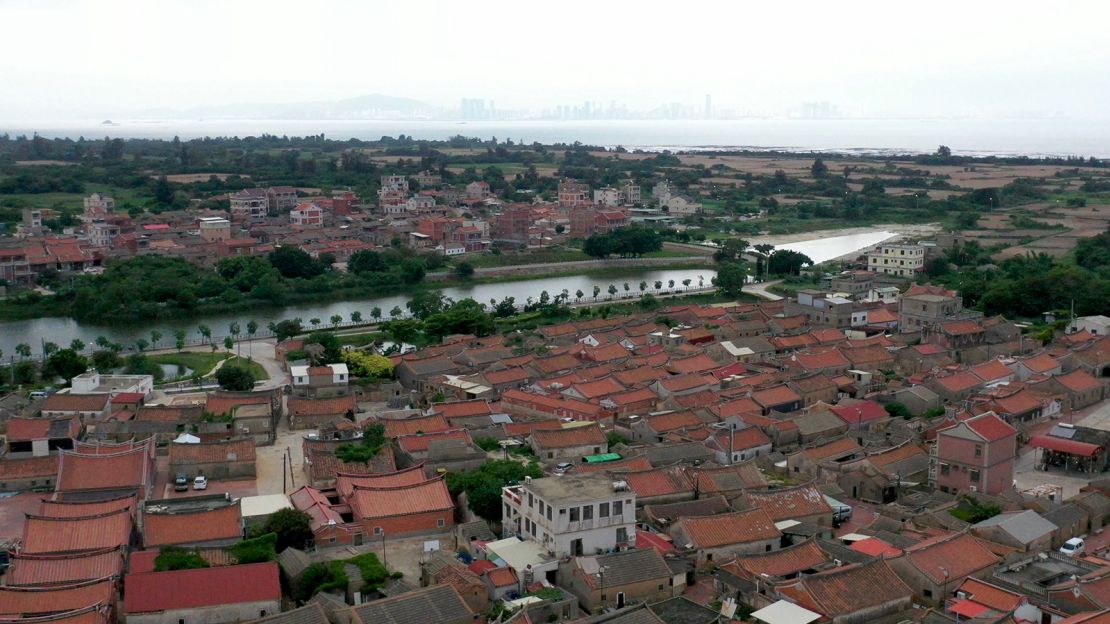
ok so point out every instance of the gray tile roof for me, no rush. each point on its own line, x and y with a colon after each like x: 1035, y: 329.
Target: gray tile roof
x: 1025, y: 526
x: 439, y: 603
x: 311, y: 613
x: 682, y: 610
x: 627, y: 567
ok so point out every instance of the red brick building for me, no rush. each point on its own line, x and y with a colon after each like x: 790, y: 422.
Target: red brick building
x: 976, y: 455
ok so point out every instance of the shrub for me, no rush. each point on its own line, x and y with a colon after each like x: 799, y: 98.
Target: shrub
x: 177, y: 558
x: 255, y: 550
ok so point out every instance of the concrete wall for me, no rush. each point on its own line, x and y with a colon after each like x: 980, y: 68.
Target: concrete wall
x: 219, y: 614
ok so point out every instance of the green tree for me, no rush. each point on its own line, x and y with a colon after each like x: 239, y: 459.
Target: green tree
x: 205, y: 331
x: 597, y: 291
x: 464, y: 270
x: 49, y: 347
x: 155, y: 337
x: 356, y: 317
x: 819, y: 169
x: 141, y: 344
x: 336, y: 320
x: 294, y: 262
x: 426, y: 303
x: 65, y: 363
x: 163, y: 192
x: 366, y: 261
x: 395, y: 311
x: 315, y: 321
x: 898, y: 410
x: 179, y: 339
x: 465, y: 317
x: 77, y: 345
x: 333, y: 349
x: 292, y: 527
x: 376, y: 313
x: 612, y: 289
x: 730, y: 279
x: 578, y: 294
x: 229, y: 343
x: 286, y: 329
x: 235, y: 377
x: 686, y: 283
x: 105, y: 360
x: 252, y: 328
x: 177, y: 558
x: 23, y: 350
x: 103, y: 342
x: 787, y: 262
x: 483, y: 484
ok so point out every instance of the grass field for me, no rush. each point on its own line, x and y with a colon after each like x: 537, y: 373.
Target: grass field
x: 257, y: 371
x: 201, y: 363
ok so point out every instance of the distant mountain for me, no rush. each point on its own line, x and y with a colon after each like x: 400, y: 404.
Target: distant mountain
x: 373, y: 106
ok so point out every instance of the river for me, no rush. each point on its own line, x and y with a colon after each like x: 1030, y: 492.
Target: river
x: 62, y: 331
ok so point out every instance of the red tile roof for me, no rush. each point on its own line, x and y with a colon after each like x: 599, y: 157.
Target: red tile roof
x: 569, y: 437
x: 224, y: 404
x: 658, y: 482
x: 462, y: 409
x: 630, y: 463
x: 741, y: 476
x: 502, y: 577
x: 395, y: 427
x: 122, y: 470
x: 71, y: 535
x: 737, y: 407
x: 1064, y: 445
x: 31, y: 601
x: 836, y: 448
x: 38, y: 570
x: 862, y: 412
x: 27, y: 429
x: 75, y: 403
x: 633, y: 396
x: 1078, y: 380
x: 696, y: 364
x: 959, y: 554
x: 81, y: 509
x: 322, y: 407
x: 212, y: 452
x: 991, y: 370
x: 960, y: 328
x: 840, y: 592
x: 778, y: 395
x: 1040, y: 363
x: 662, y: 423
x: 598, y: 389
x: 737, y: 527
x: 124, y: 398
x: 991, y: 596
x: 194, y: 527
x: 785, y: 562
x: 749, y: 438
x: 427, y: 496
x: 345, y: 483
x: 789, y: 503
x: 152, y: 592
x: 29, y: 467
x: 991, y: 427
x: 959, y: 382
x: 421, y: 442
x: 524, y: 429
x: 875, y: 547
x: 681, y: 383
x: 820, y: 361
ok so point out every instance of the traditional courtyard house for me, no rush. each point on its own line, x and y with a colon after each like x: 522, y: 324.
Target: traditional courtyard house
x: 713, y: 539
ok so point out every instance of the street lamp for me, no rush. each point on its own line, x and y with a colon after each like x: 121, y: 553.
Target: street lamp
x: 944, y: 588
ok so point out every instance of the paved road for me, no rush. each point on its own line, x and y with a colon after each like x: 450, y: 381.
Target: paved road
x: 760, y: 290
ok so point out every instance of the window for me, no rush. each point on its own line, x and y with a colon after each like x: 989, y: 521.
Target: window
x: 550, y: 455
x: 439, y: 523
x: 618, y: 508
x: 574, y: 514
x: 541, y: 508
x: 928, y: 593
x: 622, y: 535
x: 588, y: 512
x: 978, y: 450
x: 767, y: 548
x: 549, y: 512
x: 944, y: 469
x: 531, y: 503
x: 603, y: 510
x: 973, y: 476
x: 377, y: 530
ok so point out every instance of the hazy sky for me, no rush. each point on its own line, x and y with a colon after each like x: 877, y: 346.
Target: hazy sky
x: 84, y: 59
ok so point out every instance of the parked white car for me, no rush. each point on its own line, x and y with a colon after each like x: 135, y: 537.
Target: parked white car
x: 200, y: 483
x: 1073, y: 547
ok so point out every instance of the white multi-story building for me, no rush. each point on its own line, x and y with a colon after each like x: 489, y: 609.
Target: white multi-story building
x: 101, y: 233
x: 397, y: 183
x: 674, y: 202
x: 98, y: 206
x: 571, y: 515
x: 607, y: 196
x: 896, y: 259
x: 307, y: 214
x: 630, y: 193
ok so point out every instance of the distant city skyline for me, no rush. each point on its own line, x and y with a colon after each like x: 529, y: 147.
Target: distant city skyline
x: 70, y: 59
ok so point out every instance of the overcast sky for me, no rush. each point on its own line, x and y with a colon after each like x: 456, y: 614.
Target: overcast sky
x: 82, y: 59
